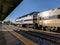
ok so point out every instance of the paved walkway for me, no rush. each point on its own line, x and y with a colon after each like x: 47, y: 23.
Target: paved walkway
x: 7, y: 38
x: 2, y: 39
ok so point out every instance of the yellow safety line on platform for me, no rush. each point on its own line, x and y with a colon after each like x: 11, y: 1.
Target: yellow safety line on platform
x: 23, y: 39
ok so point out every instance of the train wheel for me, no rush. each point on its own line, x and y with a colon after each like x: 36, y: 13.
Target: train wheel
x: 48, y: 28
x: 52, y: 28
x: 55, y: 29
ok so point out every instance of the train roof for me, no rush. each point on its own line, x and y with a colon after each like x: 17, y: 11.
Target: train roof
x: 49, y: 10
x: 27, y: 14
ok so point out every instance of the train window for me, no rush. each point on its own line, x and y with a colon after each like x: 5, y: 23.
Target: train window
x: 54, y: 16
x: 58, y: 16
x: 48, y: 17
x: 44, y: 18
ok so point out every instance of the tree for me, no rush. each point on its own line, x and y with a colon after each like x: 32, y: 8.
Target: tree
x: 8, y: 22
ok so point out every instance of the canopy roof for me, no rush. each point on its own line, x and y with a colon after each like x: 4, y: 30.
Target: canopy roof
x: 6, y: 7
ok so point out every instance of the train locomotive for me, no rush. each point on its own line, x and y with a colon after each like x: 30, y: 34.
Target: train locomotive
x: 26, y: 20
x: 47, y: 20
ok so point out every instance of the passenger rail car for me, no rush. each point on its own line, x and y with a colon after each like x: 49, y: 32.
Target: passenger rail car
x: 49, y: 20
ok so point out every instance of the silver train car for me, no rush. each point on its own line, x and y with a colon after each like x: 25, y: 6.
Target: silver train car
x: 47, y: 20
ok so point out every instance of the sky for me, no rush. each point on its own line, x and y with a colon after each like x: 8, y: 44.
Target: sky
x: 28, y: 6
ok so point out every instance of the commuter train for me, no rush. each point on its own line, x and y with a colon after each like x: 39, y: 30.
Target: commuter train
x: 47, y: 20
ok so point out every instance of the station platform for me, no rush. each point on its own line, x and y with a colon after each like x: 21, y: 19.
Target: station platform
x: 9, y: 37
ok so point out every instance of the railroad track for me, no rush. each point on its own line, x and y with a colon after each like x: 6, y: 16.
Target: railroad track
x: 39, y: 31
x: 44, y: 36
x: 50, y: 38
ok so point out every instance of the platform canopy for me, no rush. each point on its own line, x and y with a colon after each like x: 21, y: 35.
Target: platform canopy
x: 7, y: 6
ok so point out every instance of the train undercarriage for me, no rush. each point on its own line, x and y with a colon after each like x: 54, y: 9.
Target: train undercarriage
x: 40, y: 27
